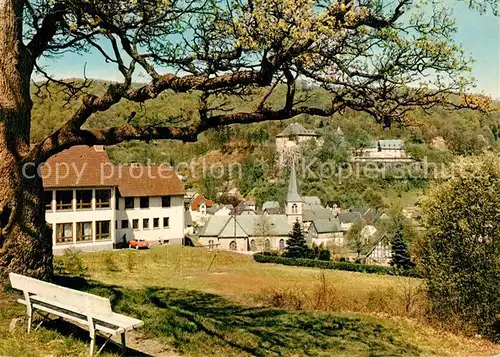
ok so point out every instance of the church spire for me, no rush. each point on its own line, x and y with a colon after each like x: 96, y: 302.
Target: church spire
x: 293, y: 186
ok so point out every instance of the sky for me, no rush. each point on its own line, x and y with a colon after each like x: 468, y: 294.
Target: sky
x: 478, y: 34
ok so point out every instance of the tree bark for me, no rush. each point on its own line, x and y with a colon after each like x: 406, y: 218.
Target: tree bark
x: 25, y: 244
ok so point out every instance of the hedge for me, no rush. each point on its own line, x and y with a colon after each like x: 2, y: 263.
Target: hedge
x: 313, y: 263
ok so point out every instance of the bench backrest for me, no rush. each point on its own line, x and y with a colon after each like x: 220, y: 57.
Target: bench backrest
x: 79, y: 300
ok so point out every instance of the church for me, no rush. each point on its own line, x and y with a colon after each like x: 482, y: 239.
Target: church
x: 269, y: 230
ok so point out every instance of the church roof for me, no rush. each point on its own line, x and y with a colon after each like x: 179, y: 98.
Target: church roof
x: 327, y: 225
x: 296, y: 129
x: 310, y: 213
x: 293, y: 194
x: 246, y: 226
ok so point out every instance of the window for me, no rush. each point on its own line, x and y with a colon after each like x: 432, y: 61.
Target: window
x: 211, y: 244
x: 47, y: 199
x: 129, y: 202
x: 102, y: 230
x: 64, y: 200
x: 267, y: 244
x: 83, y: 199
x: 102, y: 198
x: 294, y: 208
x: 84, y: 231
x: 165, y: 201
x: 144, y: 202
x: 145, y: 223
x: 156, y: 223
x: 282, y: 244
x: 116, y: 224
x: 253, y: 245
x: 135, y: 224
x: 124, y: 223
x: 64, y: 233
x: 166, y: 222
x: 232, y: 245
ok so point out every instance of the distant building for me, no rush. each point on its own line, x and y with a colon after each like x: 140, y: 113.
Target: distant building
x: 346, y: 219
x: 269, y: 230
x: 198, y: 208
x: 289, y: 141
x: 220, y: 210
x: 326, y: 231
x: 384, y: 151
x: 381, y: 251
x: 95, y: 205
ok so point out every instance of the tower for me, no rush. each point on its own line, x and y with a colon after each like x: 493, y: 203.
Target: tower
x: 294, y: 202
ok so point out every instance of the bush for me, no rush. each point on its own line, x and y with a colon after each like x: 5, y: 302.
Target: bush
x: 70, y: 263
x: 460, y: 250
x: 313, y: 263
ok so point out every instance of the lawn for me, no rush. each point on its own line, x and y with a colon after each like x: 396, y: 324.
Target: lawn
x: 198, y: 303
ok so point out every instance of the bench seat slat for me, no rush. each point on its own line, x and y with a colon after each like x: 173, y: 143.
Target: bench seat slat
x: 114, y: 321
x: 73, y: 317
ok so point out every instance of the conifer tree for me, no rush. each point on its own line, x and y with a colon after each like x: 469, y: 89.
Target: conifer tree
x: 296, y: 246
x: 400, y: 255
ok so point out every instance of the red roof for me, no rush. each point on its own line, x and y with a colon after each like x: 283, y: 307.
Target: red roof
x: 198, y: 200
x: 142, y: 181
x: 79, y: 166
x: 84, y: 166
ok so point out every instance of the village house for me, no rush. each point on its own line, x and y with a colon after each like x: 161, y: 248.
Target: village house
x: 92, y: 204
x: 269, y: 231
x: 382, y: 151
x: 381, y: 252
x: 289, y: 141
x: 198, y: 208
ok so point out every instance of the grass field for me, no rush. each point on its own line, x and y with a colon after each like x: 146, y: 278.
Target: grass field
x: 197, y: 303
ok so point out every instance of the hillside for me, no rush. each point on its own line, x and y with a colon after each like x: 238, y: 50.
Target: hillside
x: 464, y: 133
x: 195, y: 305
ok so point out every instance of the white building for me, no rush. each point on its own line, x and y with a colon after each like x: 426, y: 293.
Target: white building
x: 288, y: 142
x: 384, y: 151
x: 198, y: 207
x: 94, y: 205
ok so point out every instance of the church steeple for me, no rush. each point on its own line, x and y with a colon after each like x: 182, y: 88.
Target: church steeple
x: 294, y: 202
x: 293, y: 186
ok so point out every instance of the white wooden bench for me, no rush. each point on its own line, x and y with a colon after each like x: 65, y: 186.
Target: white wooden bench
x: 77, y: 306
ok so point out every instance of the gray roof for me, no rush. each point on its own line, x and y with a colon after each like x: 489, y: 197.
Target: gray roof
x: 244, y: 226
x: 217, y: 208
x: 327, y: 225
x: 312, y: 200
x: 293, y: 194
x: 273, y: 210
x: 349, y: 217
x: 270, y: 204
x: 296, y: 129
x: 316, y: 212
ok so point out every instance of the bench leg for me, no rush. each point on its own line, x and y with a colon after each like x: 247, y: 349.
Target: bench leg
x: 92, y: 343
x: 124, y: 344
x: 29, y: 309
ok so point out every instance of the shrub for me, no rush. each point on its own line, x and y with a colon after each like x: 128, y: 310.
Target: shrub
x: 459, y: 253
x: 109, y: 263
x: 313, y: 263
x: 70, y: 263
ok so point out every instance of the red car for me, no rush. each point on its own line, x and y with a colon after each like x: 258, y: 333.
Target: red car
x: 138, y: 244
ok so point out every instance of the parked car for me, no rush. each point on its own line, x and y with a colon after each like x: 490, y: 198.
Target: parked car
x: 138, y: 244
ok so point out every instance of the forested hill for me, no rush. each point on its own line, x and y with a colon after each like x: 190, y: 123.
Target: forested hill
x: 464, y: 132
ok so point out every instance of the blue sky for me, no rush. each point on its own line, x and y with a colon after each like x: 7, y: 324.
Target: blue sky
x: 478, y: 34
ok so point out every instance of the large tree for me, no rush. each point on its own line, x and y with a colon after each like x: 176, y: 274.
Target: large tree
x: 384, y: 58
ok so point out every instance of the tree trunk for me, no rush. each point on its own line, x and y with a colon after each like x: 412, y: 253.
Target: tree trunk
x: 25, y: 244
